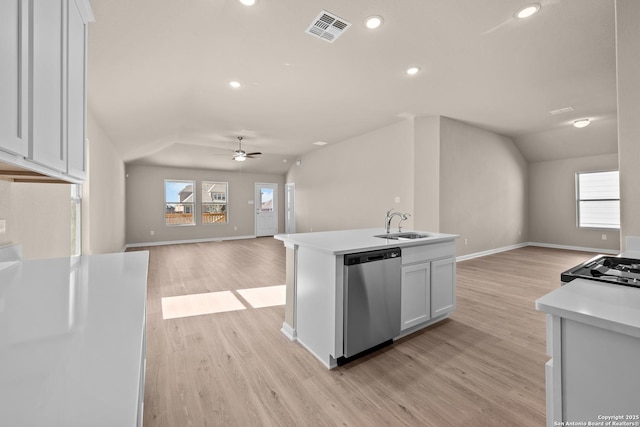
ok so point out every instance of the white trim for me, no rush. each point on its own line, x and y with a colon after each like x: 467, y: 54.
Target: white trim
x: 289, y: 332
x: 180, y: 242
x: 491, y: 251
x: 575, y: 248
x: 542, y: 245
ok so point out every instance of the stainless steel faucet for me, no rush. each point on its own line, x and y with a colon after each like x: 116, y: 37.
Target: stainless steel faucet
x: 390, y: 215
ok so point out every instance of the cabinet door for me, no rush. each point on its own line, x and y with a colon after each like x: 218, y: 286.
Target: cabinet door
x: 47, y: 38
x: 415, y: 305
x: 443, y: 289
x: 13, y: 76
x: 76, y: 92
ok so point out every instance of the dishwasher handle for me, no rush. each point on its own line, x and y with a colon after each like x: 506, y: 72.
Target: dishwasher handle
x: 372, y: 256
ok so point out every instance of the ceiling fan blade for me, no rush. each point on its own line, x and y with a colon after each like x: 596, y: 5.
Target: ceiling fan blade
x: 257, y: 153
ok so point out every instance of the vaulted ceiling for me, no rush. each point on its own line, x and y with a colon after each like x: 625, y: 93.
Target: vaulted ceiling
x: 159, y: 73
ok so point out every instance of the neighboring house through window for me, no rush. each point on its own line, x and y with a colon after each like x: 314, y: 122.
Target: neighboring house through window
x: 179, y: 202
x: 598, y: 195
x: 214, y: 202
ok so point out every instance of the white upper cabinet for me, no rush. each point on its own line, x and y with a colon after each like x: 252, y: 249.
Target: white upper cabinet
x: 13, y: 76
x: 76, y: 92
x: 47, y: 38
x: 43, y: 74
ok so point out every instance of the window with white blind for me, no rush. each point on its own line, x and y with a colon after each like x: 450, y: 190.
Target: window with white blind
x: 598, y: 199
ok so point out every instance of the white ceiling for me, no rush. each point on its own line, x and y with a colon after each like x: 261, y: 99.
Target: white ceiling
x: 159, y: 73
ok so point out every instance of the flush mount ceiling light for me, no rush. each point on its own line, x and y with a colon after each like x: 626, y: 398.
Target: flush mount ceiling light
x: 581, y: 123
x: 373, y: 22
x: 235, y: 84
x: 320, y: 143
x: 248, y: 2
x: 528, y: 11
x: 412, y: 71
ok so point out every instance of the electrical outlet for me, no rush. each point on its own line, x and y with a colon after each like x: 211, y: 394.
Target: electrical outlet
x: 465, y: 242
x: 3, y: 226
x: 397, y: 199
x: 153, y: 233
x: 604, y: 237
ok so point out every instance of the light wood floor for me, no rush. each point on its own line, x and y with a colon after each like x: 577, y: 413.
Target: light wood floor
x: 482, y: 367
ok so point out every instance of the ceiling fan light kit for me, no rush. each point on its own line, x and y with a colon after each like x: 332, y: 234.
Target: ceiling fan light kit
x: 240, y: 155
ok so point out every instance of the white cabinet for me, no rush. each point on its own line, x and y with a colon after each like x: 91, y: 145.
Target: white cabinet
x: 443, y: 289
x: 428, y: 284
x: 46, y: 139
x: 13, y: 76
x: 76, y: 91
x: 415, y: 307
x: 43, y: 73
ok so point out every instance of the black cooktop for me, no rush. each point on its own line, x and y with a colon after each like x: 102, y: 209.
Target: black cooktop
x: 609, y: 269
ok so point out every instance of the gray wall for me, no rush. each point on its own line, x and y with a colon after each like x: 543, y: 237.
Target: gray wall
x: 103, y: 210
x: 432, y: 164
x: 145, y: 204
x: 483, y: 188
x: 628, y: 78
x: 353, y: 183
x: 552, y: 201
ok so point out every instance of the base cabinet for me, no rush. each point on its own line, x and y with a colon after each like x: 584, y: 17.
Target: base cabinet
x: 443, y: 290
x: 415, y: 305
x: 428, y: 284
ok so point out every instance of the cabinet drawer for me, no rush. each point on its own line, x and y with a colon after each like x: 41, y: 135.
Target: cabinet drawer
x: 428, y: 252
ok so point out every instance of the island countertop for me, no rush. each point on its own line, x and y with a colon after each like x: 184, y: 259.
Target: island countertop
x: 350, y: 241
x: 72, y: 340
x: 604, y: 305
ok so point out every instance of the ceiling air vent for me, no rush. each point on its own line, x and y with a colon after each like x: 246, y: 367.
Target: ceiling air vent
x: 328, y: 26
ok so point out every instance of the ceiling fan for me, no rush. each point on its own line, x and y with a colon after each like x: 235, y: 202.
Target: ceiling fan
x: 240, y: 155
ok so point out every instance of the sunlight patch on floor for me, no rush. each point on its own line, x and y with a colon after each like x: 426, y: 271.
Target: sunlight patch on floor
x: 197, y: 304
x: 264, y: 297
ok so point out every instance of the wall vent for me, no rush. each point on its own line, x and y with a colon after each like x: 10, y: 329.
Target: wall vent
x: 561, y: 110
x: 328, y: 26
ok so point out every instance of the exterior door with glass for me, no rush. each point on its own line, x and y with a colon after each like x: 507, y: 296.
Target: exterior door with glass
x: 266, y: 209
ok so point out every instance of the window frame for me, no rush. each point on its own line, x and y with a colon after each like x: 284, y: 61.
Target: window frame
x: 204, y: 203
x: 192, y: 203
x: 580, y: 199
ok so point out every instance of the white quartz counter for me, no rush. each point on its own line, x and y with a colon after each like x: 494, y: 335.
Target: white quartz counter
x: 350, y: 241
x: 604, y: 305
x: 72, y: 340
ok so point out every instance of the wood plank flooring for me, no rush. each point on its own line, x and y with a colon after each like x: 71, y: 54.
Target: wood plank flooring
x: 482, y: 367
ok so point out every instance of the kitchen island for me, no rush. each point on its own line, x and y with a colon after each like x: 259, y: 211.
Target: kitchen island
x: 593, y: 339
x: 316, y: 284
x: 72, y: 341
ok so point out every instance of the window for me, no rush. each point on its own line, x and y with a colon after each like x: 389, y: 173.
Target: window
x: 214, y: 202
x: 598, y: 199
x: 179, y: 201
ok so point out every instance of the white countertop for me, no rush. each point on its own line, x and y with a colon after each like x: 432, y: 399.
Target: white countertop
x: 604, y: 305
x: 71, y: 340
x: 350, y: 241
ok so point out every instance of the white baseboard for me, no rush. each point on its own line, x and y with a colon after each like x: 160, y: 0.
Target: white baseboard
x: 288, y: 331
x: 491, y: 251
x: 181, y: 242
x: 543, y: 245
x: 575, y: 248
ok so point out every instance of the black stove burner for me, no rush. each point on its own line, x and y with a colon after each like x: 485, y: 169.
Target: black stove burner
x: 609, y: 269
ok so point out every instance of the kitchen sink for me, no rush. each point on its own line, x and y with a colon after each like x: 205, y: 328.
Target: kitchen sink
x: 403, y: 236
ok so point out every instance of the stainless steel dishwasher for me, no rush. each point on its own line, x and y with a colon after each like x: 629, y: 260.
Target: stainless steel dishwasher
x: 371, y: 300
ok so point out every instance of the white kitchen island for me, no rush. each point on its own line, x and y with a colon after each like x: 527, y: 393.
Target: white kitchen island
x: 72, y: 341
x: 593, y: 338
x: 315, y: 284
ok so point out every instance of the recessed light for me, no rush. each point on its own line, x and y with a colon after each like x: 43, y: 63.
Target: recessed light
x: 320, y: 143
x: 528, y: 11
x: 235, y: 84
x: 413, y: 70
x: 373, y: 22
x: 248, y: 2
x: 581, y: 123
